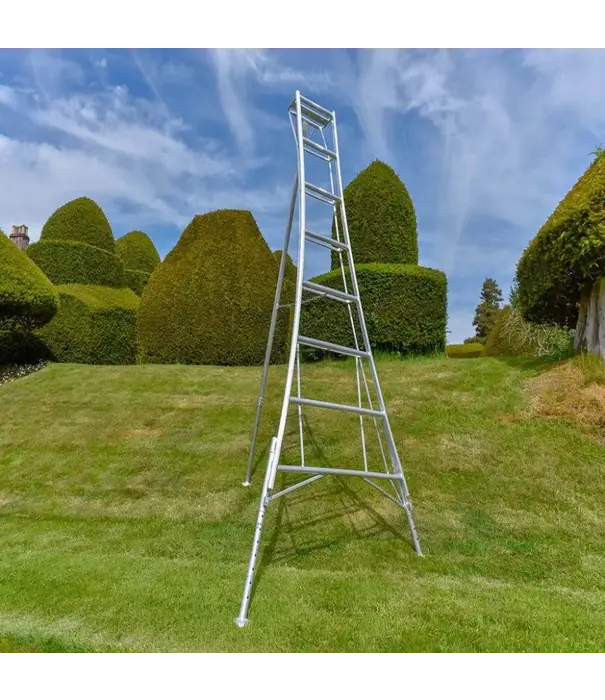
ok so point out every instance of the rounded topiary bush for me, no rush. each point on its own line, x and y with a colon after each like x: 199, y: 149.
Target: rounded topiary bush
x: 76, y: 246
x: 95, y: 325
x: 27, y: 297
x: 27, y: 301
x: 405, y: 309
x: 80, y: 221
x: 140, y: 258
x: 210, y: 300
x: 380, y: 217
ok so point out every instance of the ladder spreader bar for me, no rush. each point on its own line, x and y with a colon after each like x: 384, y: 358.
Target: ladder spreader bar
x: 336, y: 406
x: 338, y: 472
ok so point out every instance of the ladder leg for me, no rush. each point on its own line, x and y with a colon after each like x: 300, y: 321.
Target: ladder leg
x: 263, y: 381
x: 242, y: 618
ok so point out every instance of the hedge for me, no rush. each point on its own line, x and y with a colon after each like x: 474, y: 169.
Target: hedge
x: 210, y: 300
x: 67, y: 262
x: 83, y: 221
x: 286, y: 314
x: 95, y: 325
x: 380, y: 217
x: 140, y: 258
x: 464, y: 350
x: 27, y: 298
x: 20, y: 347
x: 405, y: 308
x: 567, y: 253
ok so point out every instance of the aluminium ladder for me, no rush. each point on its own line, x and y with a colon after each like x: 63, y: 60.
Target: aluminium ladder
x: 308, y: 118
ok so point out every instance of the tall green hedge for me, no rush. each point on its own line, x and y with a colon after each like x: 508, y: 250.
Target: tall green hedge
x: 286, y: 314
x: 27, y: 298
x: 210, y: 300
x: 140, y: 258
x: 567, y: 253
x: 405, y: 309
x: 380, y: 217
x: 95, y: 325
x: 76, y: 246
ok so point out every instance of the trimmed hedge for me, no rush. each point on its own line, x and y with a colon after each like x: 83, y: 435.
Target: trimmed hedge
x: 83, y: 221
x: 405, y: 308
x: 67, y: 262
x: 380, y: 217
x: 465, y: 350
x: 137, y: 252
x: 140, y: 258
x: 19, y: 347
x: 27, y: 298
x: 95, y: 325
x: 210, y: 300
x: 567, y: 253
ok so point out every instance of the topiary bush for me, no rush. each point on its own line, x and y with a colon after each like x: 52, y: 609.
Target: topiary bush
x: 210, y: 300
x: 95, y: 325
x: 66, y: 262
x: 76, y: 246
x: 513, y: 336
x: 464, y: 350
x: 27, y: 301
x: 27, y: 297
x: 285, y: 314
x: 405, y: 308
x: 380, y: 217
x: 140, y: 258
x: 567, y: 254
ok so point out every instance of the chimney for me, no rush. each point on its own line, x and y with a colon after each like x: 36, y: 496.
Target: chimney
x: 19, y: 237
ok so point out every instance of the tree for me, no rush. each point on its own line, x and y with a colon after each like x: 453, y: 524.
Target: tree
x: 488, y: 310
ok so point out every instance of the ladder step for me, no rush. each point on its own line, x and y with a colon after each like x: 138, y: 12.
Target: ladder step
x: 336, y: 406
x: 312, y: 112
x: 333, y: 347
x: 321, y: 194
x: 338, y: 472
x: 328, y: 292
x: 320, y: 151
x: 331, y: 243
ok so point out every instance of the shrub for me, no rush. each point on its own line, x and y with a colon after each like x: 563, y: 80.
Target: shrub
x: 210, y: 300
x: 140, y: 258
x: 380, y: 217
x: 514, y: 336
x: 76, y: 246
x: 465, y: 350
x: 21, y: 347
x: 82, y: 221
x: 27, y: 298
x: 95, y: 325
x: 66, y: 262
x: 567, y: 254
x: 405, y: 308
x: 285, y: 314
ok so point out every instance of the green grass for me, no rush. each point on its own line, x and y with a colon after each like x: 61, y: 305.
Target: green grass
x: 124, y: 525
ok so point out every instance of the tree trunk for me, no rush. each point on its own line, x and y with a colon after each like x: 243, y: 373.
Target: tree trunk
x: 590, y: 330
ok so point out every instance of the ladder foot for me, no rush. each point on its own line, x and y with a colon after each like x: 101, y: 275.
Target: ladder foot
x: 241, y: 621
x: 246, y: 483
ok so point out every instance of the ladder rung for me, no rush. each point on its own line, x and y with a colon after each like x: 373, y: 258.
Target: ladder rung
x: 325, y: 241
x: 321, y: 194
x: 338, y: 472
x: 320, y: 151
x: 328, y: 292
x: 333, y: 347
x: 311, y: 111
x: 336, y: 406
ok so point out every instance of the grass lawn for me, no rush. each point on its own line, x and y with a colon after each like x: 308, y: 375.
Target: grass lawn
x: 124, y: 525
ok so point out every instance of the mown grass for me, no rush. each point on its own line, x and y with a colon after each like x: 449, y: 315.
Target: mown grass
x: 124, y: 525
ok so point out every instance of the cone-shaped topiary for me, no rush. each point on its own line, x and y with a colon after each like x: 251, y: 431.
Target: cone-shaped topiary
x: 77, y: 246
x: 210, y: 300
x: 380, y: 217
x: 140, y: 258
x: 94, y: 325
x: 27, y: 301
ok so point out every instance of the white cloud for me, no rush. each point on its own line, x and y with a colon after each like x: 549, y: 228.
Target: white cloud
x: 142, y: 167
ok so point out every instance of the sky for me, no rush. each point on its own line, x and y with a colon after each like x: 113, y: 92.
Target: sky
x: 487, y: 141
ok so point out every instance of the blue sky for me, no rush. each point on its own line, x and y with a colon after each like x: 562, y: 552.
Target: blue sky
x: 487, y: 141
